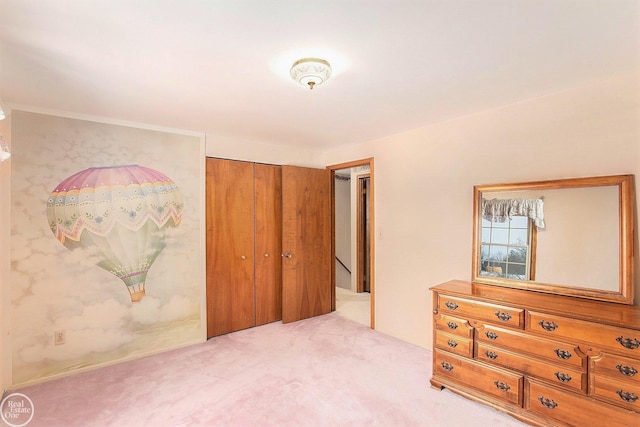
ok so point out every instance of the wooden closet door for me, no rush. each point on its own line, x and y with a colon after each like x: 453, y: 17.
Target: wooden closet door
x: 306, y: 243
x: 268, y: 194
x: 230, y: 246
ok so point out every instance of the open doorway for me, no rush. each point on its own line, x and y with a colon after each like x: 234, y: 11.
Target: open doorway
x: 353, y: 245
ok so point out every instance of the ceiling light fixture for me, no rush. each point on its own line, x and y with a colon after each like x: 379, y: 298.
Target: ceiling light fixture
x: 311, y: 71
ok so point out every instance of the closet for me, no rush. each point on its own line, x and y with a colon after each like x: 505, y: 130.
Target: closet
x: 244, y: 229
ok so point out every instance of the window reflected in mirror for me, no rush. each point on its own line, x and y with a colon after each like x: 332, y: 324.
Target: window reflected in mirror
x: 506, y: 248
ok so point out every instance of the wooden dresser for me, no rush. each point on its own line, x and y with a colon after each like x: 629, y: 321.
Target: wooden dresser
x: 547, y: 360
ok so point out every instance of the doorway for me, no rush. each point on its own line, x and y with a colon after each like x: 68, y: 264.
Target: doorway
x: 353, y: 244
x: 363, y: 236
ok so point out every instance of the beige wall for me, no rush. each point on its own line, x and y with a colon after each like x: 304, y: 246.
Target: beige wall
x: 5, y: 265
x: 227, y: 148
x: 582, y: 246
x: 424, y: 180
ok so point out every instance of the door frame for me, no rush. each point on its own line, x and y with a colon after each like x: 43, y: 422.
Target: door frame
x: 372, y: 277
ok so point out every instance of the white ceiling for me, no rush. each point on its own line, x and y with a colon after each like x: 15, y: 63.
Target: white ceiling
x: 221, y: 66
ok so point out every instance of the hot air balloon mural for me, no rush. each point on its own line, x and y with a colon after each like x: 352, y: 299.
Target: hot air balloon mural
x: 120, y: 213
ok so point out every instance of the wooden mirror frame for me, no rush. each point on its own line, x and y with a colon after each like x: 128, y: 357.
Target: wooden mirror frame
x: 625, y: 184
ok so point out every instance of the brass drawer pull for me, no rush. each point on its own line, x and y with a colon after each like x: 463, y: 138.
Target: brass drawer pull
x: 491, y: 335
x: 547, y: 403
x: 548, y: 326
x: 562, y: 354
x: 491, y: 354
x: 452, y: 325
x: 630, y: 343
x: 505, y: 317
x: 447, y: 366
x: 502, y: 386
x: 452, y: 343
x: 451, y: 305
x: 627, y: 371
x: 565, y: 378
x: 627, y: 396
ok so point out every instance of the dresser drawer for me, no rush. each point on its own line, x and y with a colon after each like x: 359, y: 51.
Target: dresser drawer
x: 616, y: 367
x: 453, y: 325
x: 619, y: 393
x: 454, y: 344
x: 552, y: 350
x: 502, y: 315
x: 573, y: 409
x: 500, y: 384
x: 562, y: 376
x: 619, y: 340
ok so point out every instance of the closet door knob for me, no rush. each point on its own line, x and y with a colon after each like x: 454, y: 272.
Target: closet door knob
x: 243, y: 257
x: 287, y: 255
x: 266, y: 255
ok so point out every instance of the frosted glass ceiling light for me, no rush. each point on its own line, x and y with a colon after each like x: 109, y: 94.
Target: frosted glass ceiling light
x: 311, y: 71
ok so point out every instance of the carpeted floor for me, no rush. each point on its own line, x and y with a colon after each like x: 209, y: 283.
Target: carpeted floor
x: 354, y: 306
x: 325, y: 371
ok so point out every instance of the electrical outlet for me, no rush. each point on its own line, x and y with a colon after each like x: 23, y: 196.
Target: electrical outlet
x: 58, y: 337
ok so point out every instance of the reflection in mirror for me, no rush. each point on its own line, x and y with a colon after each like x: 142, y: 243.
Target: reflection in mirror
x: 505, y: 249
x: 571, y: 237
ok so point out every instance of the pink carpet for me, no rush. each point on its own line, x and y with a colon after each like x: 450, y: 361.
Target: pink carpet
x: 325, y: 371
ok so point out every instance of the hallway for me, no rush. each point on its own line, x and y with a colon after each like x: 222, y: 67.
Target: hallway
x: 354, y: 306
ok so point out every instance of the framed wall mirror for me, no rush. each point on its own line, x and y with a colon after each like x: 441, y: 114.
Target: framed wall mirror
x: 569, y: 237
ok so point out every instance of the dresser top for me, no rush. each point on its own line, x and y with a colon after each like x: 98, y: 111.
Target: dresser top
x: 579, y: 308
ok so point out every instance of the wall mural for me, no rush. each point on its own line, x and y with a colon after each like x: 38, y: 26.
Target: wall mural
x: 118, y: 216
x: 127, y: 203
